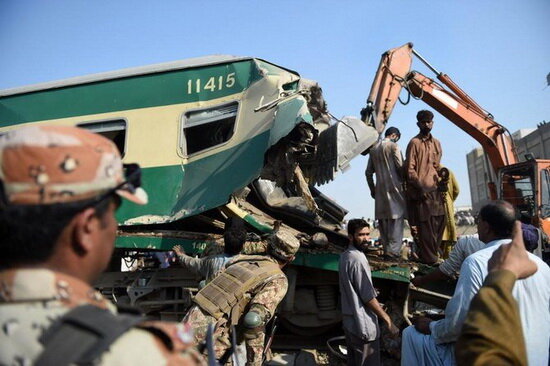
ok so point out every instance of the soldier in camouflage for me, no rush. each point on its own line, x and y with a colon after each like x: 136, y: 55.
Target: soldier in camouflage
x: 59, y: 189
x: 246, y: 295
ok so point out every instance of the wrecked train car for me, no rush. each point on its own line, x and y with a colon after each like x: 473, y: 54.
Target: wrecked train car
x: 216, y: 136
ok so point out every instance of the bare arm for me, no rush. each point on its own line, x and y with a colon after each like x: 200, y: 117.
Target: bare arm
x: 195, y: 265
x: 374, y: 305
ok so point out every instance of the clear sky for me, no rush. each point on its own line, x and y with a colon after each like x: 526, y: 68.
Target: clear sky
x: 498, y: 51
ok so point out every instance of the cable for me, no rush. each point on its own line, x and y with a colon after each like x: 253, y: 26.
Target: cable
x: 345, y: 124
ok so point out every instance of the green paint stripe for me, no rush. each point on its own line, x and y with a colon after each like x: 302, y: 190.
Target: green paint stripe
x: 325, y: 261
x: 129, y: 93
x: 251, y: 220
x: 400, y: 274
x: 201, y: 185
x: 329, y: 261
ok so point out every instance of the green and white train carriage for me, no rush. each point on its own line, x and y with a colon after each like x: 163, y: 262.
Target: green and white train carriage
x: 200, y: 129
x: 191, y: 125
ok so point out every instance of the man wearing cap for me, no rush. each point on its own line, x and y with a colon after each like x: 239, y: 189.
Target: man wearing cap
x: 59, y: 189
x: 245, y: 294
x: 386, y: 161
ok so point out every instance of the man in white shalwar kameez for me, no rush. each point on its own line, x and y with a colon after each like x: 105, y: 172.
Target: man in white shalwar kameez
x: 432, y: 343
x: 386, y: 161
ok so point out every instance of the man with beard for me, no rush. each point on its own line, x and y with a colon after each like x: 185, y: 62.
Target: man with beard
x: 360, y: 309
x: 425, y: 203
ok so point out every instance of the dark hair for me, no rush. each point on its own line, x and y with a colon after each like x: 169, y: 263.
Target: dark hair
x: 354, y: 225
x: 30, y: 232
x: 273, y: 254
x: 500, y: 216
x: 234, y: 240
x: 424, y: 115
x: 234, y: 236
x: 234, y: 223
x: 391, y: 130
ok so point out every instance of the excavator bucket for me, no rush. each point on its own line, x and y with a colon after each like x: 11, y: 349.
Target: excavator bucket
x: 388, y: 82
x: 338, y: 145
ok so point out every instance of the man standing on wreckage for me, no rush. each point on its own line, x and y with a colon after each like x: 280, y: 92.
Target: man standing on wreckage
x: 386, y: 161
x: 245, y: 295
x: 426, y: 209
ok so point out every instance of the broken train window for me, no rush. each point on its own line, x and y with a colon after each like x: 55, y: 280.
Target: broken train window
x: 205, y: 128
x: 114, y: 130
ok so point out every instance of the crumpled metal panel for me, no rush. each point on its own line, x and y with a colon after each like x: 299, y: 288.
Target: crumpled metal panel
x: 275, y: 197
x: 353, y: 137
x: 339, y: 144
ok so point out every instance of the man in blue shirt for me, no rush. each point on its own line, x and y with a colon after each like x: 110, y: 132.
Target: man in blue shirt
x: 209, y: 267
x: 360, y: 309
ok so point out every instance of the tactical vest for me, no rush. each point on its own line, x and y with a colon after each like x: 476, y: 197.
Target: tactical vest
x: 228, y: 293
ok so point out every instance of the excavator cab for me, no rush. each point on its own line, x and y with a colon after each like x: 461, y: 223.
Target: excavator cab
x: 518, y: 185
x: 526, y: 185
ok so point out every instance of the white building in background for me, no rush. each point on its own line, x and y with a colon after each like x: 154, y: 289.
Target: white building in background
x: 479, y: 173
x: 527, y: 140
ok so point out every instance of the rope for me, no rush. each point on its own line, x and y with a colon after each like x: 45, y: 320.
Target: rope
x: 345, y: 124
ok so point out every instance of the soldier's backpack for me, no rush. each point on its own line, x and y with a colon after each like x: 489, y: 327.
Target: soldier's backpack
x: 82, y: 335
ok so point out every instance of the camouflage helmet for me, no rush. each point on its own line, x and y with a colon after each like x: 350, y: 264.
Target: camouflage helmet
x: 283, y: 245
x: 42, y: 165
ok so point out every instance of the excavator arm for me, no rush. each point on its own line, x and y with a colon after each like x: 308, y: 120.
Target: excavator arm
x: 394, y: 74
x: 525, y: 185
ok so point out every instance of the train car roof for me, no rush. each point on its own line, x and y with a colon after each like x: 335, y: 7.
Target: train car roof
x: 132, y: 71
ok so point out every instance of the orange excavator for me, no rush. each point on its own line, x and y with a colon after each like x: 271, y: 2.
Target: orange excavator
x: 525, y: 184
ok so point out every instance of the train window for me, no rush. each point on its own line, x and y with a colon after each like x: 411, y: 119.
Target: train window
x: 114, y: 130
x: 205, y: 128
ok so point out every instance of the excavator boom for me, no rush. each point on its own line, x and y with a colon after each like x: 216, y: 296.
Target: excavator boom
x: 394, y: 74
x: 526, y: 185
x: 494, y: 137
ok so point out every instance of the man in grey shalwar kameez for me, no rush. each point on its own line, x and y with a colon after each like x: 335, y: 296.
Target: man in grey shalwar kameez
x: 386, y: 161
x: 360, y: 308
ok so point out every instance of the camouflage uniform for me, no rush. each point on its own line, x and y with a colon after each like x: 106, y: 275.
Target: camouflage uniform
x: 46, y: 165
x: 32, y: 299
x: 263, y: 298
x: 255, y: 247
